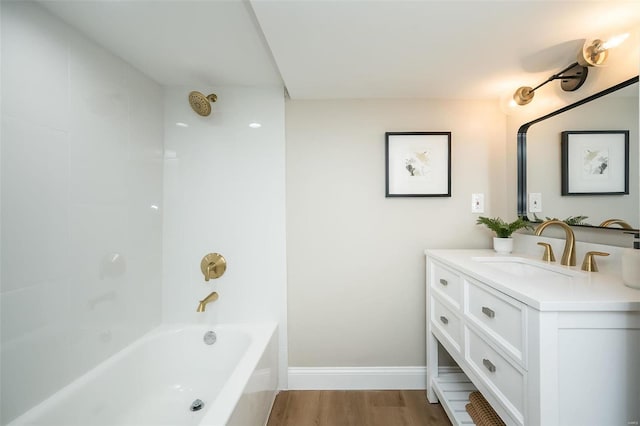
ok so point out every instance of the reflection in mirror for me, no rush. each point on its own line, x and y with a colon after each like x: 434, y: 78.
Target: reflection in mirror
x: 539, y: 161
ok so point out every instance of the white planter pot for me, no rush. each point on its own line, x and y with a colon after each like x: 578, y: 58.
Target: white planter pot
x: 503, y: 245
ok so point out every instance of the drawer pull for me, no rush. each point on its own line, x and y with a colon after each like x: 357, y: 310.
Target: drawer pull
x: 444, y: 320
x: 443, y: 281
x: 488, y: 312
x: 489, y: 365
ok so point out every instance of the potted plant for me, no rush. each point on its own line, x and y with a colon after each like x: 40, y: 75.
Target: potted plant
x: 502, y: 242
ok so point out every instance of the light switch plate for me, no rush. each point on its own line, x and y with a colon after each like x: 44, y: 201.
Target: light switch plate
x: 477, y: 203
x: 535, y: 202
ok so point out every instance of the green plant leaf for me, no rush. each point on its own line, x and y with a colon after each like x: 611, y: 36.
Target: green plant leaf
x: 502, y: 228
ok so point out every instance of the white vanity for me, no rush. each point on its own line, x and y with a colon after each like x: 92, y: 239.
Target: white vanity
x: 545, y: 344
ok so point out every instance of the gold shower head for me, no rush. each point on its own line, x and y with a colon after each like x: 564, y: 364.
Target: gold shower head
x: 200, y: 103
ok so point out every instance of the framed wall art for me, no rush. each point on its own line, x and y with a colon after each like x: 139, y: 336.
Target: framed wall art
x: 418, y: 164
x: 595, y: 162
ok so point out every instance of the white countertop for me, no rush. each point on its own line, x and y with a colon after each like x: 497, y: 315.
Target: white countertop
x: 569, y: 290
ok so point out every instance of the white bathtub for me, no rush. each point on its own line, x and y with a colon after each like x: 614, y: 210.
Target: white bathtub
x: 155, y: 380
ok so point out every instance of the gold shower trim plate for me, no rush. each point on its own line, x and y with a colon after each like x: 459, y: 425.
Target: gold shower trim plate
x: 213, y: 266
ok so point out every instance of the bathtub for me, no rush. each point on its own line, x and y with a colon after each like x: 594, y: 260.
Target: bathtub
x: 156, y: 380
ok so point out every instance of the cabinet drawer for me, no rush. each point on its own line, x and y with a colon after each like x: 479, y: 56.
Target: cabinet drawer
x: 446, y: 283
x: 503, y: 378
x: 447, y: 323
x: 500, y: 316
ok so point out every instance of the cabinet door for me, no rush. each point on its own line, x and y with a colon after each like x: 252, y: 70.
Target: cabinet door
x: 598, y: 370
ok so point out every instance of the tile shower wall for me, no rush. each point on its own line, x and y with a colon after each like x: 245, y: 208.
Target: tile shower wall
x: 224, y: 191
x: 81, y: 169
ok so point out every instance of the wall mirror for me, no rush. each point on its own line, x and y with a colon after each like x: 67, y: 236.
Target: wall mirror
x: 540, y: 167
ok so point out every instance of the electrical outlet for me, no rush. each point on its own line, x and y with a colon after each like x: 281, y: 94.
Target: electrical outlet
x: 535, y: 202
x: 477, y: 203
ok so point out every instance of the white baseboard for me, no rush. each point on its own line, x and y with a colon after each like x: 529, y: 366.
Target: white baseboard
x: 357, y: 378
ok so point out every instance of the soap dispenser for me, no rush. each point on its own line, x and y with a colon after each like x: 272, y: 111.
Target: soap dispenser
x: 631, y: 263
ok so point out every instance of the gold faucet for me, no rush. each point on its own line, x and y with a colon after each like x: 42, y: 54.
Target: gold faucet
x: 203, y: 303
x: 609, y: 222
x: 569, y: 254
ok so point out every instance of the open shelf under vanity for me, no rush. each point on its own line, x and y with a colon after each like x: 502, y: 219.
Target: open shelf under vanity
x: 453, y: 388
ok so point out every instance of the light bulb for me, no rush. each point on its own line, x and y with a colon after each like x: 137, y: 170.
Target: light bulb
x: 614, y: 41
x: 595, y: 54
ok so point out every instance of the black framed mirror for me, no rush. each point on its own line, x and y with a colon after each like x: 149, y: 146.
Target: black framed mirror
x: 540, y: 168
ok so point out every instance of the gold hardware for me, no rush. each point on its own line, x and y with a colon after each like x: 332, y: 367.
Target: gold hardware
x: 594, y: 53
x: 569, y: 253
x: 589, y: 263
x: 200, y: 103
x: 203, y: 303
x: 523, y: 95
x: 571, y: 78
x: 622, y: 223
x: 213, y: 266
x: 548, y: 255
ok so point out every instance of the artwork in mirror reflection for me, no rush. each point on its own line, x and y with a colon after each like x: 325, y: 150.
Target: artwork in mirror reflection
x: 595, y: 162
x: 617, y: 110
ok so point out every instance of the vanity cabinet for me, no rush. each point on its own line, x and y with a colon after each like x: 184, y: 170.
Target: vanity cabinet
x: 562, y: 359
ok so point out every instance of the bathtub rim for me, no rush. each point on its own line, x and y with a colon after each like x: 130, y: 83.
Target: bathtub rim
x: 219, y: 412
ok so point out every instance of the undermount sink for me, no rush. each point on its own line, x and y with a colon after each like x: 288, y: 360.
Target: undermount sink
x: 526, y: 268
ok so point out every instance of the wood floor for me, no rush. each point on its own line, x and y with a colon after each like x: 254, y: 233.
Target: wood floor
x: 356, y: 408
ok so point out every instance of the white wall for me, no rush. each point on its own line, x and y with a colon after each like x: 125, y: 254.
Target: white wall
x: 224, y: 192
x: 81, y: 166
x: 355, y: 258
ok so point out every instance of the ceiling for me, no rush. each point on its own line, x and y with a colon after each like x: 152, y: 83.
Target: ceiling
x: 332, y: 49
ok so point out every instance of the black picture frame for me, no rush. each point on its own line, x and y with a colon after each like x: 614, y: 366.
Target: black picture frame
x: 595, y: 162
x: 418, y: 164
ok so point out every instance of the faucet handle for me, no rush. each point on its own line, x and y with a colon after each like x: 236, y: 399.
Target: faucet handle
x: 213, y: 266
x: 548, y: 255
x: 589, y: 263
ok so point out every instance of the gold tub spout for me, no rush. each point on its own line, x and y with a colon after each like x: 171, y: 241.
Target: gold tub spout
x: 622, y: 223
x: 203, y: 303
x: 569, y: 254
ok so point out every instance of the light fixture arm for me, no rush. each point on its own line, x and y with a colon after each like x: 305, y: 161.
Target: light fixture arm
x: 592, y: 54
x: 561, y: 75
x: 577, y: 74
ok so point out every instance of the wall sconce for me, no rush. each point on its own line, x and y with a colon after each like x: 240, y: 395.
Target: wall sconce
x: 595, y: 53
x: 592, y: 54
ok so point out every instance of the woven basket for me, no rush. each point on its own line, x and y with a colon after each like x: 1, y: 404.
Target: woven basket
x: 474, y: 415
x: 481, y: 412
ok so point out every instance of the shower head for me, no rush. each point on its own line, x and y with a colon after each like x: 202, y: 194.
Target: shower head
x: 201, y: 103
